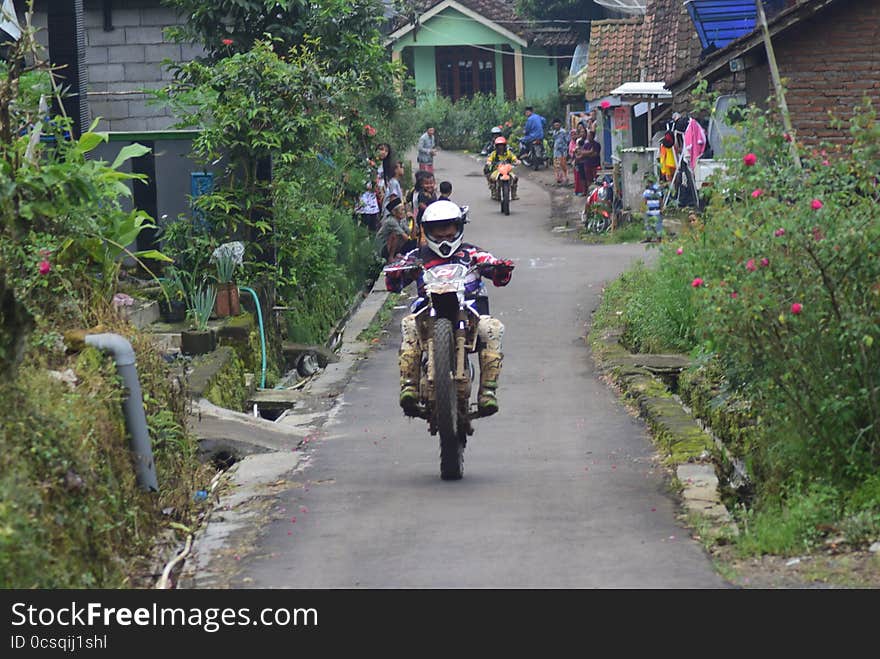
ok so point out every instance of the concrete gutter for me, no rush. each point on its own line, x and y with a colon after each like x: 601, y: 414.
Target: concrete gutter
x: 686, y: 445
x: 246, y: 492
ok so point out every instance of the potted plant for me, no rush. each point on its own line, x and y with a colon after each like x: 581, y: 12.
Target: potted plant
x: 227, y: 290
x: 172, y: 304
x: 199, y: 339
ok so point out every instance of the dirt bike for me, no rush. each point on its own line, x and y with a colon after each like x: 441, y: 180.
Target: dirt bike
x: 504, y: 186
x: 447, y: 326
x: 534, y: 155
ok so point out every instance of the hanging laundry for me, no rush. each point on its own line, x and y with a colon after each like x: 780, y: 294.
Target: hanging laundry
x: 667, y: 162
x: 694, y: 140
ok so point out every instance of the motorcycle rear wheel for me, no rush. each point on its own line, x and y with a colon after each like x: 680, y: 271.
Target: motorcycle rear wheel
x: 446, y: 408
x: 505, y: 197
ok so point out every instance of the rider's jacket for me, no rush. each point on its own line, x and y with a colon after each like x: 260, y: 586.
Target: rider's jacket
x: 466, y: 254
x: 496, y: 159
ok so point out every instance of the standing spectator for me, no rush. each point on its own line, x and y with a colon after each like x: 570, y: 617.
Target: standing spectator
x: 580, y: 186
x: 445, y: 190
x: 427, y: 150
x: 592, y: 160
x: 367, y: 208
x: 393, y: 186
x: 560, y: 152
x: 427, y: 195
x: 385, y: 170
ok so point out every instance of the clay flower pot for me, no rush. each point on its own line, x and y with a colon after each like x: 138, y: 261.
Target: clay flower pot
x: 227, y: 303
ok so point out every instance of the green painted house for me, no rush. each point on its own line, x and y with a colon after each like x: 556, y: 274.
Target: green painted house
x: 461, y: 47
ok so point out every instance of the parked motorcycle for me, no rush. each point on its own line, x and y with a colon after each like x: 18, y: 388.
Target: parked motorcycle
x: 504, y: 186
x: 447, y: 325
x: 599, y: 207
x: 534, y: 155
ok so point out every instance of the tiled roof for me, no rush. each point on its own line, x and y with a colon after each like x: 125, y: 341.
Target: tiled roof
x: 555, y: 36
x: 504, y: 14
x: 614, y: 55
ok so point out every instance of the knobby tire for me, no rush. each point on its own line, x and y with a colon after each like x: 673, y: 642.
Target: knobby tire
x: 451, y: 446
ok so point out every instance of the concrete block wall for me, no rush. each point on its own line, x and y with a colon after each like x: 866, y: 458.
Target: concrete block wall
x: 127, y: 59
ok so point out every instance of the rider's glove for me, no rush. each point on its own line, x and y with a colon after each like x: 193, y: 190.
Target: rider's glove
x: 393, y: 281
x: 501, y: 272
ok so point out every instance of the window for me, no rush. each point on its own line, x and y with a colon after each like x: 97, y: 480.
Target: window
x: 463, y: 71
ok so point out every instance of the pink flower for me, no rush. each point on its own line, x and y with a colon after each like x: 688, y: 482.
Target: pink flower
x: 826, y: 163
x: 757, y: 192
x: 786, y: 137
x: 765, y: 262
x: 816, y: 204
x: 750, y: 159
x: 779, y: 233
x: 679, y: 251
x: 697, y: 282
x: 45, y: 266
x: 796, y: 308
x: 369, y: 130
x: 605, y: 105
x: 734, y: 295
x: 750, y: 265
x: 227, y: 42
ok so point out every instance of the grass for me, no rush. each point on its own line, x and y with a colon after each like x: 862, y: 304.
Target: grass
x: 71, y: 514
x: 631, y: 232
x: 371, y: 333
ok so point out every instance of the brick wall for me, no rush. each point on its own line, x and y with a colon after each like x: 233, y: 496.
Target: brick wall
x: 828, y: 63
x: 127, y: 59
x: 831, y: 63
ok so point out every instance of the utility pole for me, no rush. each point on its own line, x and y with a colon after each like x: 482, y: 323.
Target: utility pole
x: 777, y: 83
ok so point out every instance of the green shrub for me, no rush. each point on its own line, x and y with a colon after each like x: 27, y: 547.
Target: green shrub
x: 465, y: 124
x: 780, y: 282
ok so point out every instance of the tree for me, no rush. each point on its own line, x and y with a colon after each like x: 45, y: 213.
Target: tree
x: 347, y: 31
x: 586, y: 10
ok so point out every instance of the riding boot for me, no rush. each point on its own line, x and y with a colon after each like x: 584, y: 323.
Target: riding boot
x: 410, y: 367
x: 513, y: 194
x: 490, y: 368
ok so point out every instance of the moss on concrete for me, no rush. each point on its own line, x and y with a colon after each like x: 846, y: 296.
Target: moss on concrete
x: 219, y: 376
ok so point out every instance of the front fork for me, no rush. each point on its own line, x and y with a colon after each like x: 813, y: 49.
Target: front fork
x: 462, y: 374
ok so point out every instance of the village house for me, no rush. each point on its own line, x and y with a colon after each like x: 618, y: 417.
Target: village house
x: 458, y: 48
x: 827, y: 55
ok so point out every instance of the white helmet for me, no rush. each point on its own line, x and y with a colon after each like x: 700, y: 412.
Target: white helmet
x: 441, y: 212
x: 496, y: 130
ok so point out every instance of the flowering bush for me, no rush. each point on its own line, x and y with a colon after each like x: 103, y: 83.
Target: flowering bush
x: 782, y: 283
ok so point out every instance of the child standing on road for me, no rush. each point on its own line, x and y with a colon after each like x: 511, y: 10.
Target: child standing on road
x: 653, y: 217
x: 445, y: 190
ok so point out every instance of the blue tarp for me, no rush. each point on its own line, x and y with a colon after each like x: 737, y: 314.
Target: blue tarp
x: 719, y: 22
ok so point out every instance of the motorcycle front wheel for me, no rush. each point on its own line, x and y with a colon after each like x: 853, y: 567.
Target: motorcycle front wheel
x: 446, y: 408
x: 505, y: 197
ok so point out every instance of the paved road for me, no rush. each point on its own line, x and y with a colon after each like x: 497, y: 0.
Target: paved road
x: 560, y: 490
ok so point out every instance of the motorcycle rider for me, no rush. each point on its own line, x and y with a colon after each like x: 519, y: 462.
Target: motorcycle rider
x: 443, y: 226
x: 533, y: 130
x: 502, y: 153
